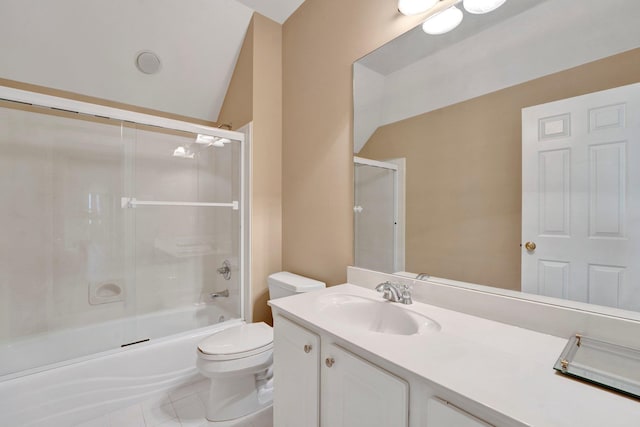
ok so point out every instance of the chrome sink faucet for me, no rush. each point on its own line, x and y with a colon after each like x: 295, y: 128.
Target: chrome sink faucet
x: 395, y: 292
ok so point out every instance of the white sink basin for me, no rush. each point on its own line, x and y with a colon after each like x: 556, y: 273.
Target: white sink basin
x: 366, y: 314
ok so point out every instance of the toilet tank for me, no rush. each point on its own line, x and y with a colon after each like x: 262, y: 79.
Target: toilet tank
x: 284, y: 284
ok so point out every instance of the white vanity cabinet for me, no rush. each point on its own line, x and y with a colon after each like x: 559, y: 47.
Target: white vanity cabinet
x: 386, y: 371
x: 296, y: 368
x: 358, y: 393
x: 345, y: 390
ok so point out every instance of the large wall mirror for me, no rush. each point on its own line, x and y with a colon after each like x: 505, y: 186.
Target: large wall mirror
x: 505, y: 152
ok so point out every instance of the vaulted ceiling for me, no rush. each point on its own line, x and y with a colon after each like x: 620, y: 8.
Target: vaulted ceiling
x: 90, y: 47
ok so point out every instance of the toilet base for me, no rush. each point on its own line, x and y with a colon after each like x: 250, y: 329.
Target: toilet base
x: 234, y: 398
x: 263, y: 414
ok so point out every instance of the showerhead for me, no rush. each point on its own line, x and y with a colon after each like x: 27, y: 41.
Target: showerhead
x: 220, y: 142
x: 209, y: 140
x: 184, y: 153
x: 205, y: 139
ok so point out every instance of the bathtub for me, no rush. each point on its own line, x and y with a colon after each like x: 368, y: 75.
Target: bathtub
x: 72, y: 391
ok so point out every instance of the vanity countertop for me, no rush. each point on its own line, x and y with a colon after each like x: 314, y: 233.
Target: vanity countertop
x: 502, y: 367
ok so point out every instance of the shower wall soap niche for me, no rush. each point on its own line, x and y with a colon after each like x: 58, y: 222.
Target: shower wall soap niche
x: 105, y: 292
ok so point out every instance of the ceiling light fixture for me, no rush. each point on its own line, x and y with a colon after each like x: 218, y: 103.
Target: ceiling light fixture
x: 482, y: 6
x: 415, y: 7
x: 443, y: 22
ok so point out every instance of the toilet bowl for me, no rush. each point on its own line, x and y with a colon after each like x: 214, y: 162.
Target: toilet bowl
x: 238, y: 360
x: 238, y: 363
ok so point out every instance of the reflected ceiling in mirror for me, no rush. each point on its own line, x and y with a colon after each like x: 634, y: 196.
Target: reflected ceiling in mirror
x: 415, y: 44
x: 451, y: 105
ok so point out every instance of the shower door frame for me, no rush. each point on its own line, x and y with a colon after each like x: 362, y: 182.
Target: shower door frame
x: 398, y: 167
x: 101, y: 111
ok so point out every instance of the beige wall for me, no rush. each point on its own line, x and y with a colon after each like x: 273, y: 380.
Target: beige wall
x: 464, y: 173
x: 266, y: 192
x: 321, y: 41
x: 255, y: 94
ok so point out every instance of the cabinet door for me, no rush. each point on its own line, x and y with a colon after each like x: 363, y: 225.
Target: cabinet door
x: 296, y: 368
x: 442, y: 414
x: 356, y: 393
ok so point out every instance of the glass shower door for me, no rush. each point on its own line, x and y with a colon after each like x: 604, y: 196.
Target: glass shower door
x: 62, y: 247
x: 112, y: 233
x: 185, y: 232
x: 375, y: 217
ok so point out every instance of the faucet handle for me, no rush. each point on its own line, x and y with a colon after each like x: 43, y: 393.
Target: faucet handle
x: 406, y: 293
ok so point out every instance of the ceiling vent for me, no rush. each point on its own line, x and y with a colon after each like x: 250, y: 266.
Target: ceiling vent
x: 148, y: 62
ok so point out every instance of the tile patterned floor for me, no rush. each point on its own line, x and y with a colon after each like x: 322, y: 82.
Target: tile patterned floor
x: 182, y: 407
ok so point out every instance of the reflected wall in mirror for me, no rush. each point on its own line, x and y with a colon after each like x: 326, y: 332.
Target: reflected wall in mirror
x: 452, y: 105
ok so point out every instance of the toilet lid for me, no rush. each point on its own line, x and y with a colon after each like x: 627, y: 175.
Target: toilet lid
x: 239, y: 341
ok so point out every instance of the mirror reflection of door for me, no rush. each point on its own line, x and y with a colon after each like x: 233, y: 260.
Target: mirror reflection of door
x: 579, y: 198
x: 376, y: 216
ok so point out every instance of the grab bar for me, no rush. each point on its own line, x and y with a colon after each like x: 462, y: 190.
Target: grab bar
x: 132, y: 202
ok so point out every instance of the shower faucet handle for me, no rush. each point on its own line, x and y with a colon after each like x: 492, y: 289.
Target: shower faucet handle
x: 225, y: 270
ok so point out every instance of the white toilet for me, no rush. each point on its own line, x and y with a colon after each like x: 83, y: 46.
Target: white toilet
x: 238, y: 360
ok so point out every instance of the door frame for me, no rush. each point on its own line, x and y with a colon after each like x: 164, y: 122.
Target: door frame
x: 398, y: 166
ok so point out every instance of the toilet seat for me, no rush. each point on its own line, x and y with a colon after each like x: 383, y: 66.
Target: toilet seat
x: 237, y: 342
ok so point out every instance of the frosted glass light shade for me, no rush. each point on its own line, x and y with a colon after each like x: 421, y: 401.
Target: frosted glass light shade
x: 443, y: 22
x: 481, y: 6
x: 415, y: 7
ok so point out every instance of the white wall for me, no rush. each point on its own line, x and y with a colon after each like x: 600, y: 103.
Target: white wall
x: 368, y: 90
x: 89, y: 48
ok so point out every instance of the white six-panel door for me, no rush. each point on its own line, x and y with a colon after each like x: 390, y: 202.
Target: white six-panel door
x: 581, y: 198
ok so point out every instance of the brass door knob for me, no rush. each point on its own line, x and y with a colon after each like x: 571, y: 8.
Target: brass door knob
x: 530, y: 246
